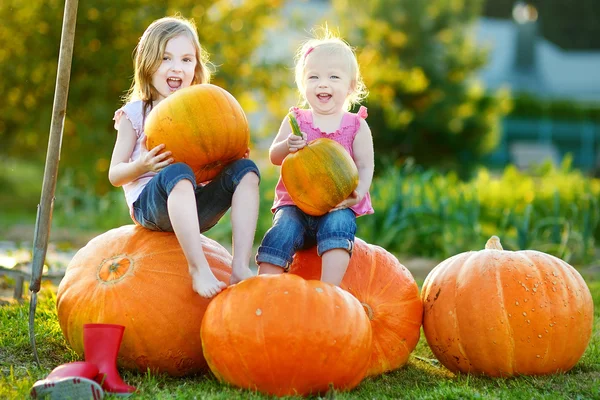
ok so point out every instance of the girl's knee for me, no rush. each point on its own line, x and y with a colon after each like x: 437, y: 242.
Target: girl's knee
x: 245, y: 168
x: 177, y: 169
x: 338, y: 221
x: 250, y: 178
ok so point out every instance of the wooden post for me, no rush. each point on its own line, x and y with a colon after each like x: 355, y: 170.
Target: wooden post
x: 44, y: 211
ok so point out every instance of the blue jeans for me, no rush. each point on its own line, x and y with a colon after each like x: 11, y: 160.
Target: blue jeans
x: 212, y: 200
x: 294, y: 230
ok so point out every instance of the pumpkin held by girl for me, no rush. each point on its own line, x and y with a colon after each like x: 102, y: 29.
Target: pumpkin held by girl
x: 203, y: 126
x: 319, y: 176
x: 505, y: 313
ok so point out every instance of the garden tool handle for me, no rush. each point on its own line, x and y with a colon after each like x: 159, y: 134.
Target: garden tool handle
x: 44, y: 212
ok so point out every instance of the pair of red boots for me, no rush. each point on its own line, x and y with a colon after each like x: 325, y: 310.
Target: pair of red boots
x: 88, y: 379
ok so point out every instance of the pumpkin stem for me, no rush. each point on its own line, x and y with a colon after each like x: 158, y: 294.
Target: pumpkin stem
x: 493, y: 243
x: 368, y: 310
x: 294, y: 124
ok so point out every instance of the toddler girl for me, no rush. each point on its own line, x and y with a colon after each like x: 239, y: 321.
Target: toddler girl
x: 329, y: 81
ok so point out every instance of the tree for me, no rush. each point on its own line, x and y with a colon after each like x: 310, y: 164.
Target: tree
x: 419, y: 61
x: 106, y: 34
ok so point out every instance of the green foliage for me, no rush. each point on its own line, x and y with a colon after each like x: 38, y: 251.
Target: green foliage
x: 106, y: 34
x: 418, y: 212
x: 419, y: 60
x: 422, y: 212
x: 528, y: 106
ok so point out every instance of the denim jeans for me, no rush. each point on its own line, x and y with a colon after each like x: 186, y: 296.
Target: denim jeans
x: 212, y: 200
x: 294, y: 230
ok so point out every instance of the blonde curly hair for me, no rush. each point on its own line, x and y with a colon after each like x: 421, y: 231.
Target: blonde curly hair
x: 328, y: 42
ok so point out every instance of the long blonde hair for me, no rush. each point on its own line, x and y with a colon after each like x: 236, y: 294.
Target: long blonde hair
x: 149, y: 53
x: 331, y: 43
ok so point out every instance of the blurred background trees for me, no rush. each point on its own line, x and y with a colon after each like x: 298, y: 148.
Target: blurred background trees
x: 419, y: 60
x: 432, y: 119
x: 106, y: 34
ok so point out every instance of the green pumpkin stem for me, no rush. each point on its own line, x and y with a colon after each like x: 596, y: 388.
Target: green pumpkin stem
x: 294, y: 124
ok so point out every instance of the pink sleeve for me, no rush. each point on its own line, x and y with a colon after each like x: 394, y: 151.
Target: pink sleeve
x: 362, y: 112
x: 295, y: 111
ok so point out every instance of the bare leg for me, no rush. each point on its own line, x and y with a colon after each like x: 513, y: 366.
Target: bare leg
x: 184, y: 219
x: 269, y: 269
x: 244, y: 214
x: 334, y: 262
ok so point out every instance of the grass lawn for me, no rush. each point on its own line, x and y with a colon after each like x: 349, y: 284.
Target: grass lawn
x: 421, y: 378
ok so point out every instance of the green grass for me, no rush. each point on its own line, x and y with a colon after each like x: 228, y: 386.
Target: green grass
x: 421, y: 378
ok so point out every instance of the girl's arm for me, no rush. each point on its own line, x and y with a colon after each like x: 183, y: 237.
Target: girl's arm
x: 123, y: 171
x: 365, y: 163
x: 364, y: 158
x: 285, y: 142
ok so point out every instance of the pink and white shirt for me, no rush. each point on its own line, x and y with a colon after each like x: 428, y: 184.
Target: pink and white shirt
x: 344, y: 135
x: 133, y: 111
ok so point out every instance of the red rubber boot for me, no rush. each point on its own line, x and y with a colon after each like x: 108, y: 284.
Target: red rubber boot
x: 101, y: 343
x: 69, y: 381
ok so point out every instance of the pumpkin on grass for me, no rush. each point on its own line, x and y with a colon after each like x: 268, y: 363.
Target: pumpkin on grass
x: 505, y: 313
x: 203, y: 126
x: 319, y: 176
x: 139, y: 278
x: 389, y: 295
x: 282, y: 335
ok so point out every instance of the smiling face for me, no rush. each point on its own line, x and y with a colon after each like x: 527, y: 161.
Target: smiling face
x: 327, y: 82
x: 176, y: 71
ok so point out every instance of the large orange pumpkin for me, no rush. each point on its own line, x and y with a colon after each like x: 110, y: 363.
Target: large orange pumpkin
x: 504, y: 313
x: 282, y: 335
x: 203, y: 125
x: 389, y: 294
x: 139, y: 278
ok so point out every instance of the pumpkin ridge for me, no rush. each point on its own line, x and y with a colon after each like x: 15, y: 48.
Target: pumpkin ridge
x: 534, y: 266
x: 187, y: 139
x: 76, y: 306
x: 231, y: 331
x: 552, y: 316
x: 462, y: 269
x: 507, y: 324
x: 572, y: 279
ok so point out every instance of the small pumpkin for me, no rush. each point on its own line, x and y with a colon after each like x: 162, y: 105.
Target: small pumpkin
x: 505, y: 313
x: 319, y: 176
x: 139, y: 278
x: 203, y: 126
x: 389, y: 295
x: 282, y: 335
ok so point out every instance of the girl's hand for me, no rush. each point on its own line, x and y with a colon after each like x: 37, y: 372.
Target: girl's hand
x: 152, y: 160
x: 295, y: 143
x: 352, y: 200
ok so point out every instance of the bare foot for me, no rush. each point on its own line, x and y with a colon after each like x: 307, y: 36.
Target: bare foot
x: 205, y: 283
x: 238, y: 274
